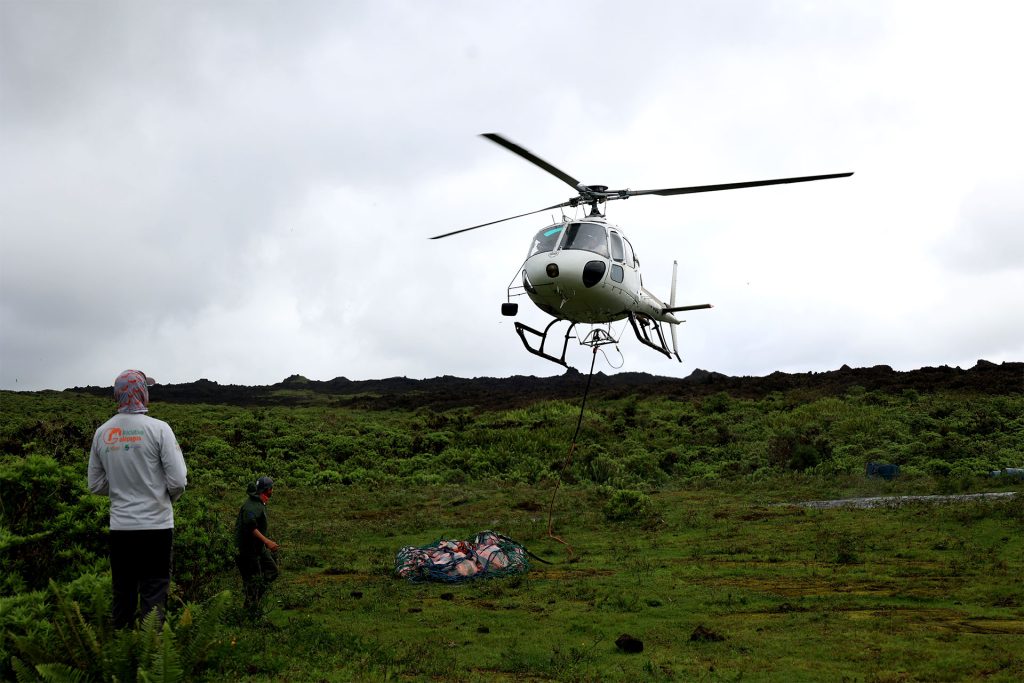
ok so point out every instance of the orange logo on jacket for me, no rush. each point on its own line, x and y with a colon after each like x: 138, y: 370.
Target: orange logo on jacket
x: 117, y: 435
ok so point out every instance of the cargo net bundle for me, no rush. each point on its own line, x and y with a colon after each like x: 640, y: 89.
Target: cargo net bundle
x: 487, y: 555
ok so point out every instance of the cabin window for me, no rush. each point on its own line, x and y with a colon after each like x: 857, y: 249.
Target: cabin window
x: 618, y: 251
x: 588, y: 237
x: 546, y: 240
x: 630, y: 259
x: 617, y: 273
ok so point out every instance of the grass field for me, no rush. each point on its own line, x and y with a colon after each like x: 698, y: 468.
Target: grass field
x: 680, y: 513
x: 720, y: 585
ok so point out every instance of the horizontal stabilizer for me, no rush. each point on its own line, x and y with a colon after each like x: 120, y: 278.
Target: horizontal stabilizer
x: 677, y: 309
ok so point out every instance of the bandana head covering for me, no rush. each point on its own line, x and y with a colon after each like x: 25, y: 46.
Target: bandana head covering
x: 131, y: 389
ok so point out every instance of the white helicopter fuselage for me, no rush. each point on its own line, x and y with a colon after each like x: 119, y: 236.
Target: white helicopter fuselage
x: 586, y: 271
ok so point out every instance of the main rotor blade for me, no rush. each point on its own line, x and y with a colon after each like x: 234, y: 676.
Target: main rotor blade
x: 533, y: 159
x: 731, y: 186
x: 501, y: 220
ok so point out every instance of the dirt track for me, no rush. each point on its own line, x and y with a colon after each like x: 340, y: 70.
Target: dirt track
x: 897, y: 501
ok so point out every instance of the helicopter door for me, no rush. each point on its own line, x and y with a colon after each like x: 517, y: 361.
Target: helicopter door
x: 623, y: 267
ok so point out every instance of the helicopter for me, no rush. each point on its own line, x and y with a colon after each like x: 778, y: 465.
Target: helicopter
x: 585, y: 270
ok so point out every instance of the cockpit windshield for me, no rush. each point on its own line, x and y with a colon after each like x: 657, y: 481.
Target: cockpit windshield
x: 546, y: 240
x: 588, y: 237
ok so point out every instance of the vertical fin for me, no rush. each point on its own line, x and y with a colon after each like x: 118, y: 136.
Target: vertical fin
x: 671, y: 304
x: 672, y: 296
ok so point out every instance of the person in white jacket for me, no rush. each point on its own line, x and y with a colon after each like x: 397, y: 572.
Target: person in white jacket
x: 137, y: 462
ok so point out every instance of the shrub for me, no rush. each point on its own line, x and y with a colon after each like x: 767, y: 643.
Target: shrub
x: 50, y: 525
x: 325, y: 479
x: 627, y: 505
x: 716, y: 403
x: 650, y: 465
x: 798, y: 450
x: 204, y: 545
x: 603, y: 469
x: 937, y: 468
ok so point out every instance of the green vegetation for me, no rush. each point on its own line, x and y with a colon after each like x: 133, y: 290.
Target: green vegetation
x: 678, y: 511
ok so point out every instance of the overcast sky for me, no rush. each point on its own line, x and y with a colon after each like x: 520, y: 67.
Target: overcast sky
x: 241, y: 191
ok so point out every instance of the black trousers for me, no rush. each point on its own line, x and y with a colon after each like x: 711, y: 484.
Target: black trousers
x: 258, y: 572
x: 140, y: 568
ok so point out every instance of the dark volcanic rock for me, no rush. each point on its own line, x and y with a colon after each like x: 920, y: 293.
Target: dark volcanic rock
x: 699, y: 376
x: 490, y: 393
x: 702, y: 634
x: 628, y: 643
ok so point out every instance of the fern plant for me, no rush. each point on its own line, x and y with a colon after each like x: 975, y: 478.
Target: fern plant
x: 158, y: 655
x: 77, y: 649
x: 197, y: 630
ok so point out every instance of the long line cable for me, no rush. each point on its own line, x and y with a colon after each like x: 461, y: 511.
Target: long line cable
x: 568, y: 458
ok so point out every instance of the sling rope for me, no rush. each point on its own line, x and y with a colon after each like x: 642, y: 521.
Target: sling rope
x: 568, y: 458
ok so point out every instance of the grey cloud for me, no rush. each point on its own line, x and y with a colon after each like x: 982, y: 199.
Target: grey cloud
x: 279, y: 166
x: 989, y: 233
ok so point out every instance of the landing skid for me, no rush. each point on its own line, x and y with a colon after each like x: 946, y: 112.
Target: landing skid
x: 642, y: 326
x: 539, y: 351
x: 595, y: 338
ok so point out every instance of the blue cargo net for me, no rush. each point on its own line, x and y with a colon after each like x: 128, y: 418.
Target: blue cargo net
x: 487, y: 555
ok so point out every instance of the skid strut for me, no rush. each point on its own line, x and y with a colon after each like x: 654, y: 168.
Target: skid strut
x: 595, y: 338
x: 641, y: 323
x: 539, y: 351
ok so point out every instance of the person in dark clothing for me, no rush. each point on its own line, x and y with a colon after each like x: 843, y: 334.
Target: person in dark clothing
x: 255, y: 559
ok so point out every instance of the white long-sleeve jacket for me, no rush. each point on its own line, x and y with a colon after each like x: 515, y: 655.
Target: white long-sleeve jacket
x: 136, y: 460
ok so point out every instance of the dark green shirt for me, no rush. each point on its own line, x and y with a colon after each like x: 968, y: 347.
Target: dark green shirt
x: 252, y: 515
